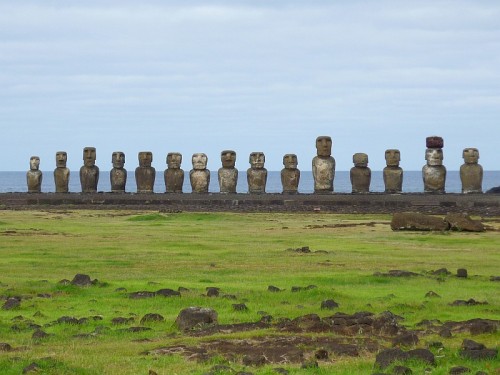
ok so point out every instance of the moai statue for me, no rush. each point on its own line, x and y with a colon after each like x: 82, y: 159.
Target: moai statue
x: 290, y: 175
x: 89, y: 172
x: 361, y: 175
x: 118, y: 175
x: 471, y: 173
x: 174, y: 175
x: 228, y: 174
x: 434, y: 172
x: 393, y: 173
x: 34, y: 176
x: 323, y: 166
x: 199, y: 176
x: 61, y: 173
x: 145, y: 174
x: 257, y: 174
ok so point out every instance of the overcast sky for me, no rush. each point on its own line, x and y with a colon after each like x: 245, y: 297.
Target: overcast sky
x: 205, y: 76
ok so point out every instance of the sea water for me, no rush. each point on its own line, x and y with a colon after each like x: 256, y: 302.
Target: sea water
x: 412, y: 182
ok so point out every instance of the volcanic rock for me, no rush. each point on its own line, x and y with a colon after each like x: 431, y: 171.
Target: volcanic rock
x: 193, y: 317
x: 417, y: 221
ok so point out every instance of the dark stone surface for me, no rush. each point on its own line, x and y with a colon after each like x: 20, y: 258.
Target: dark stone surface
x: 152, y: 317
x: 4, y: 347
x: 457, y: 370
x: 476, y: 351
x: 193, y: 317
x: 81, y: 280
x: 329, y: 304
x: 417, y: 221
x: 12, y: 303
x: 463, y: 223
x: 386, y: 357
x: 462, y: 273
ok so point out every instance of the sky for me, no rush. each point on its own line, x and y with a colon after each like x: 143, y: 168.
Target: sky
x: 271, y: 76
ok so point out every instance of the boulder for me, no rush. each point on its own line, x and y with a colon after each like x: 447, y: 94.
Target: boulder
x: 476, y: 351
x: 417, y: 221
x: 193, y: 317
x: 463, y: 223
x: 81, y: 280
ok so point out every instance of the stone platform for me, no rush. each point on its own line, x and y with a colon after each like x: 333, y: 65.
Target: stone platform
x: 473, y: 204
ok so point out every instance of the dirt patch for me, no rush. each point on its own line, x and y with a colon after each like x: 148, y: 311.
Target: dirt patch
x: 272, y: 349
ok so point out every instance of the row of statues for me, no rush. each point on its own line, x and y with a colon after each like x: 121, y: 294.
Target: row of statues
x: 323, y: 170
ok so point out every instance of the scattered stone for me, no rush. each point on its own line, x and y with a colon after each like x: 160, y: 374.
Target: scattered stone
x: 152, y: 317
x: 402, y: 370
x: 193, y: 317
x: 229, y: 296
x: 136, y: 329
x: 4, y: 347
x: 168, y: 293
x: 254, y: 360
x: 386, y: 357
x: 39, y: 335
x: 152, y: 372
x: 445, y: 333
x: 417, y: 221
x: 64, y: 282
x: 463, y: 222
x: 303, y: 250
x: 329, y: 304
x: 121, y: 289
x: 406, y: 339
x: 396, y: 273
x: 308, y: 365
x: 431, y: 294
x: 33, y: 367
x: 141, y: 294
x: 457, y: 370
x: 424, y: 355
x: 212, y: 291
x: 476, y: 351
x: 71, y: 320
x: 309, y: 287
x: 12, y: 303
x: 296, y: 289
x: 495, y: 278
x: 181, y: 289
x: 281, y: 371
x: 462, y: 272
x: 274, y: 289
x: 321, y: 354
x: 441, y: 272
x: 469, y: 302
x: 81, y: 280
x: 121, y: 320
x: 240, y: 307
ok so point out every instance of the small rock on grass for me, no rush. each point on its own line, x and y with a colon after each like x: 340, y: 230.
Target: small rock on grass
x: 4, y: 347
x: 240, y: 307
x: 458, y: 370
x: 33, y: 367
x: 152, y: 317
x: 329, y: 304
x: 193, y: 317
x: 12, y: 303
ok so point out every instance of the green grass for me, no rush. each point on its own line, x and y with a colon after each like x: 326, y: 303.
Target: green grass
x: 240, y: 253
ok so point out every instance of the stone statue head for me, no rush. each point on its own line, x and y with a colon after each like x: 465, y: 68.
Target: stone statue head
x: 34, y: 163
x: 324, y: 145
x: 145, y: 158
x: 392, y: 157
x: 228, y: 158
x: 89, y: 156
x: 257, y: 160
x: 360, y: 159
x: 290, y: 161
x: 118, y: 159
x: 174, y: 160
x: 61, y: 159
x: 199, y: 161
x: 434, y: 156
x: 471, y: 155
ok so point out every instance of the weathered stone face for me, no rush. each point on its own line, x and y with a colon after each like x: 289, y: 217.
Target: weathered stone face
x: 392, y: 157
x: 34, y: 163
x: 145, y: 174
x: 257, y: 160
x: 360, y: 174
x: 228, y: 158
x: 61, y: 173
x: 89, y: 156
x: 434, y: 156
x: 471, y: 155
x: 290, y: 175
x: 89, y: 173
x: 324, y: 146
x: 34, y: 176
x: 145, y: 158
x: 174, y: 175
x: 118, y: 159
x: 257, y: 174
x: 471, y: 173
x: 290, y: 161
x: 61, y: 159
x: 360, y: 159
x: 199, y: 161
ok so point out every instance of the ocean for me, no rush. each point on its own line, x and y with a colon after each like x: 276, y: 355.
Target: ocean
x: 412, y: 182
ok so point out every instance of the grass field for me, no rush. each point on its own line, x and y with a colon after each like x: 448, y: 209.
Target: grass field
x: 242, y: 254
